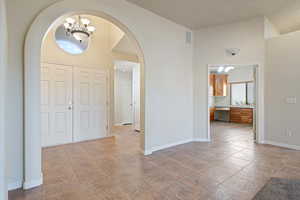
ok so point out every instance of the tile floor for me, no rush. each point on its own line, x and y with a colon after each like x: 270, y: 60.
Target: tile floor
x: 232, y: 167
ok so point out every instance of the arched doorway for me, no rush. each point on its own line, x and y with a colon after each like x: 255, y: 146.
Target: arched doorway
x: 33, y: 43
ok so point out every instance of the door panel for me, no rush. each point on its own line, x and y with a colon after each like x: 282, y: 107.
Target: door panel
x: 56, y: 92
x: 90, y: 99
x: 123, y: 93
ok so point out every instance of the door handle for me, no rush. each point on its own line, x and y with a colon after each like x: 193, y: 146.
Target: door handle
x: 70, y: 107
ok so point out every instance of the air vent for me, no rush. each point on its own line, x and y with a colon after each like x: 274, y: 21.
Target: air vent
x: 188, y: 37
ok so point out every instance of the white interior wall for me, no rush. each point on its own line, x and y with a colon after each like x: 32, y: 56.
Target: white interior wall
x: 166, y: 65
x: 210, y: 46
x: 123, y: 92
x: 3, y: 65
x: 282, y: 82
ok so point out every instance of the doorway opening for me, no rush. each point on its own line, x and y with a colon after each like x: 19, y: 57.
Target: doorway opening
x: 78, y: 63
x: 232, y: 104
x: 127, y: 95
x: 84, y: 91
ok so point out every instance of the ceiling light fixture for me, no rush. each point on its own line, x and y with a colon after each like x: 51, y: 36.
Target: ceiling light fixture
x: 220, y: 69
x: 227, y: 69
x: 80, y: 29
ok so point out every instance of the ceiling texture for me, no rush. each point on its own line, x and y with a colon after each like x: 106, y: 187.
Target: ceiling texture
x: 197, y: 14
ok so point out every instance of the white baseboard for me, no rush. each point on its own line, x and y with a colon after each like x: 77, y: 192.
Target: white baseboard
x: 289, y: 146
x: 33, y: 183
x: 201, y: 140
x: 146, y: 152
x: 158, y: 148
x: 14, y: 185
x: 118, y: 124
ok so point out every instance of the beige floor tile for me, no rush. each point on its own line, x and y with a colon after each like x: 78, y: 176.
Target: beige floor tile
x: 231, y: 167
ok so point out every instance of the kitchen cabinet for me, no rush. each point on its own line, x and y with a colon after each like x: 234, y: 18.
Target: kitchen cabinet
x: 219, y: 84
x: 212, y: 114
x: 212, y: 80
x: 241, y: 115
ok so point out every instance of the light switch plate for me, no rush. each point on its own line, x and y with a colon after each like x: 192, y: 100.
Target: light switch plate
x: 291, y: 100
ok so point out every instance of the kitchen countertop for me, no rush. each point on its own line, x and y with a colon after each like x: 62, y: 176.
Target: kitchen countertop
x: 222, y: 108
x: 242, y: 106
x: 228, y: 107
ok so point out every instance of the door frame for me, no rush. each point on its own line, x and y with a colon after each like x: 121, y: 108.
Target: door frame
x: 126, y: 63
x: 258, y: 121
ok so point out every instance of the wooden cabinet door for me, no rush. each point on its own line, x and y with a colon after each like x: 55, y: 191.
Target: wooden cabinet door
x: 235, y: 114
x: 212, y: 80
x: 247, y: 115
x: 220, y: 85
x: 241, y: 115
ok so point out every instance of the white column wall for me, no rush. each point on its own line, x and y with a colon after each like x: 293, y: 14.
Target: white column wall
x: 3, y: 64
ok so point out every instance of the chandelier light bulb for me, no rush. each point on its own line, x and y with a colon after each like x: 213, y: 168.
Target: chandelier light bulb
x: 70, y: 20
x: 85, y: 21
x: 66, y: 25
x: 91, y: 29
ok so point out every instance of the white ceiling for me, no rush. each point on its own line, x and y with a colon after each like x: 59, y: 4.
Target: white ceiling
x: 197, y: 14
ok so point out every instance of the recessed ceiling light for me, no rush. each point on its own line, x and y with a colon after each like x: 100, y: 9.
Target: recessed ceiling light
x: 220, y: 69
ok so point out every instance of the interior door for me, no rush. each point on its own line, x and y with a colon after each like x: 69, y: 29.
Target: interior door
x: 90, y: 104
x: 136, y: 81
x: 123, y: 97
x: 56, y: 113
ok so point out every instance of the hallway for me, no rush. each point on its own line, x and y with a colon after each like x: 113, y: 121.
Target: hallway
x: 114, y: 169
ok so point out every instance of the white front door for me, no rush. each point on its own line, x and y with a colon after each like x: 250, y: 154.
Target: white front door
x: 90, y: 102
x: 56, y: 113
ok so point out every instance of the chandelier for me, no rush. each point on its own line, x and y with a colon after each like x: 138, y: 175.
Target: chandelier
x: 79, y: 28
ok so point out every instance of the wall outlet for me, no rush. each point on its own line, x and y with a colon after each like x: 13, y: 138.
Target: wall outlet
x: 291, y: 100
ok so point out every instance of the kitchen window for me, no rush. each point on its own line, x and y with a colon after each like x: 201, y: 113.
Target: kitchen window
x: 242, y: 93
